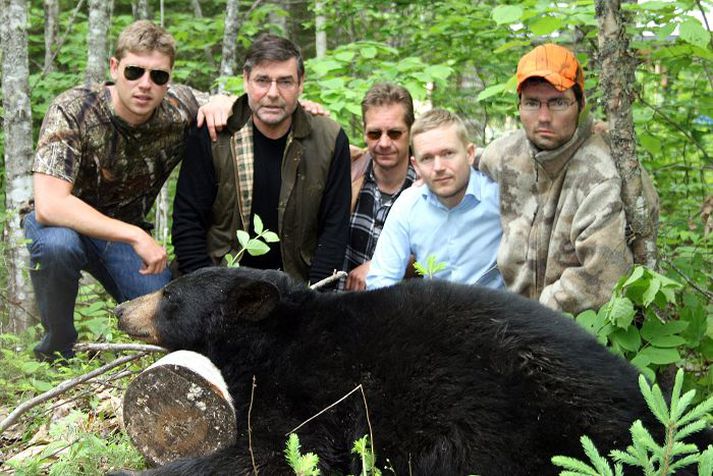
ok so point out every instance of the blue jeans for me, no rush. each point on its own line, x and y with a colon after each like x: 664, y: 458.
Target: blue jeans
x: 57, y: 255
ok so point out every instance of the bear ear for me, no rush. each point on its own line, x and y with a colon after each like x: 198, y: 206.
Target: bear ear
x: 255, y: 300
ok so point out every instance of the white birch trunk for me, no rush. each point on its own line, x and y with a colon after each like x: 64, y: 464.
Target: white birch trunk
x: 320, y: 23
x: 140, y: 10
x: 99, y: 18
x: 17, y: 126
x: 228, y: 61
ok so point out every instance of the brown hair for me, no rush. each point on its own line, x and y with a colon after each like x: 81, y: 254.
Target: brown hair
x: 144, y: 36
x: 386, y: 94
x: 269, y: 47
x: 436, y: 118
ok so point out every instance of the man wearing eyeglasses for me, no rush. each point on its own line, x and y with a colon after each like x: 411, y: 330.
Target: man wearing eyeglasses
x: 103, y: 154
x: 378, y: 176
x: 451, y: 218
x: 273, y: 161
x: 563, y: 220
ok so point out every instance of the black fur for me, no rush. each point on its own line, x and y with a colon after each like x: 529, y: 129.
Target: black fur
x: 458, y: 380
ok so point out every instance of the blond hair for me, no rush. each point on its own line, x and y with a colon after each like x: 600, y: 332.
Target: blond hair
x: 437, y: 118
x: 144, y: 36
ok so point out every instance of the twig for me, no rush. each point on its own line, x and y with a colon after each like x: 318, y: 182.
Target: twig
x: 688, y: 280
x: 63, y: 387
x: 250, y: 428
x: 97, y: 347
x: 334, y: 277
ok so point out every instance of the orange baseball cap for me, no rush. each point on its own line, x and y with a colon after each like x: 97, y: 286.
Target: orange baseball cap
x: 553, y: 62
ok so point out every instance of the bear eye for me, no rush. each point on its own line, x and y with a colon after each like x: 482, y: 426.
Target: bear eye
x: 167, y: 294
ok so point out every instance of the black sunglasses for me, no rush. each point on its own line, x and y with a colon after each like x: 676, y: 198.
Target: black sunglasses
x: 158, y: 76
x: 394, y: 134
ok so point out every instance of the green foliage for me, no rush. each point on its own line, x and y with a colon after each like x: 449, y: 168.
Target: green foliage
x: 634, y: 323
x: 653, y: 458
x: 342, y: 77
x: 256, y: 246
x: 302, y: 465
x: 365, y: 451
x: 430, y: 269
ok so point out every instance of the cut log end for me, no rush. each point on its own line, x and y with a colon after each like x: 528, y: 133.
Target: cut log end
x: 176, y: 408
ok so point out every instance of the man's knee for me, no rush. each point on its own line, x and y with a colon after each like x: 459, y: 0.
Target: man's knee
x: 51, y: 245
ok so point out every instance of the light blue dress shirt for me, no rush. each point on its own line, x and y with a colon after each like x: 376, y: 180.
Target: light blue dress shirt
x: 465, y: 238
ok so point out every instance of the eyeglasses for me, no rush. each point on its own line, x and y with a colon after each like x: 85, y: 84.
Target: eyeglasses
x: 556, y: 104
x: 394, y: 134
x: 283, y: 84
x: 158, y: 76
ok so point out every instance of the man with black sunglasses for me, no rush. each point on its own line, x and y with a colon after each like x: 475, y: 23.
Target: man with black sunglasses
x: 379, y: 175
x: 564, y: 230
x: 273, y: 160
x: 103, y: 154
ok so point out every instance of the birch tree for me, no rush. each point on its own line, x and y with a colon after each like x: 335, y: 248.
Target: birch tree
x: 140, y: 10
x: 616, y: 81
x: 51, y: 32
x: 17, y: 126
x: 99, y: 18
x: 228, y: 61
x: 320, y: 23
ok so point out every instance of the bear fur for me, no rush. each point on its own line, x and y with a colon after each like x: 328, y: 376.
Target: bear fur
x: 457, y: 379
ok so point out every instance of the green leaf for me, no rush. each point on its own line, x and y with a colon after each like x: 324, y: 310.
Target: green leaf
x: 257, y: 248
x: 490, y: 91
x: 368, y: 52
x: 41, y: 385
x: 438, y: 71
x: 345, y: 56
x: 636, y: 274
x: 243, y: 238
x: 545, y: 25
x: 270, y: 237
x: 650, y: 143
x: 257, y: 224
x: 507, y: 14
x: 660, y: 356
x: 628, y: 338
x: 691, y: 31
x: 668, y: 341
x: 620, y: 312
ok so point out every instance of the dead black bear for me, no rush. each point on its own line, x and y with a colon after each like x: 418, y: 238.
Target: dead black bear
x: 458, y: 380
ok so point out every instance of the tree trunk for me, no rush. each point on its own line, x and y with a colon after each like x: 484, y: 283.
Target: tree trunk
x: 179, y: 407
x: 18, y: 157
x: 51, y: 32
x: 206, y: 49
x: 140, y: 10
x: 97, y: 41
x: 229, y: 61
x: 320, y: 23
x: 616, y: 82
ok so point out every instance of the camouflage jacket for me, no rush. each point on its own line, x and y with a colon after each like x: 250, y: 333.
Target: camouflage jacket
x: 563, y: 219
x: 116, y: 168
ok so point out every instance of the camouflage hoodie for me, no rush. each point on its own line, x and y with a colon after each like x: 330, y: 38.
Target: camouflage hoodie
x: 563, y: 219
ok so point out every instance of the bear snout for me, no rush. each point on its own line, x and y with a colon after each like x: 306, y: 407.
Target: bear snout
x: 137, y: 317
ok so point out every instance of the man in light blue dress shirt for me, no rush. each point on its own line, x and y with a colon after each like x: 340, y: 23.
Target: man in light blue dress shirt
x: 453, y: 216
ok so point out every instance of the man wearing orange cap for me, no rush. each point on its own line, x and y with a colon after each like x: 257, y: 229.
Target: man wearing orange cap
x: 562, y: 216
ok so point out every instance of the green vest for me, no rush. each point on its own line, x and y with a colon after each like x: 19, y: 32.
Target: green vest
x: 305, y: 169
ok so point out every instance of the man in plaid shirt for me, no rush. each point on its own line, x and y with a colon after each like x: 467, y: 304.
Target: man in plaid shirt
x: 379, y: 175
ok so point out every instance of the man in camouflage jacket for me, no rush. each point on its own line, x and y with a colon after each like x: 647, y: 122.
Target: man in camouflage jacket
x: 103, y: 154
x: 563, y: 219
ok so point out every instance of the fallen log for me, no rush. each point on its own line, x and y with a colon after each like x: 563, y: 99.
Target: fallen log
x: 178, y: 407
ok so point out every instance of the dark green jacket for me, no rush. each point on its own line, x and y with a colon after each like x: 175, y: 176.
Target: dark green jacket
x: 309, y: 229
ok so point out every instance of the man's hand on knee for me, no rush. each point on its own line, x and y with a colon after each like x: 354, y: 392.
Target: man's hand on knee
x: 152, y: 254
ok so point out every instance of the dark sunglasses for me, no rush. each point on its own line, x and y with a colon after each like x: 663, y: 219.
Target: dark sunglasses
x: 394, y: 134
x: 158, y: 76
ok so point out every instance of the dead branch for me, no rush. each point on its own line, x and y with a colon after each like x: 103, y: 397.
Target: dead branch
x: 63, y: 387
x: 97, y: 347
x: 334, y: 277
x: 708, y: 295
x: 250, y: 428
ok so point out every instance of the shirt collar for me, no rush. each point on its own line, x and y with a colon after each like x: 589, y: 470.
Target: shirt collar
x: 473, y: 192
